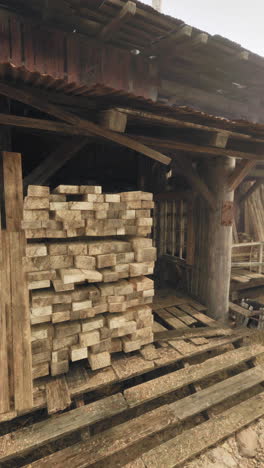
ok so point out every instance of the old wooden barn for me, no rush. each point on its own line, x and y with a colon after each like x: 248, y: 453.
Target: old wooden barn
x: 106, y: 102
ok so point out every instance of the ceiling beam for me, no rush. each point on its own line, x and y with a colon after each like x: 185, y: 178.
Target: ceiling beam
x: 239, y: 173
x: 127, y: 12
x: 55, y: 161
x: 198, y: 150
x: 173, y: 122
x: 93, y: 129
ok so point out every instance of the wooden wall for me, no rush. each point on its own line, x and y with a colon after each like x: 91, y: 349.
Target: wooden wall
x: 72, y: 57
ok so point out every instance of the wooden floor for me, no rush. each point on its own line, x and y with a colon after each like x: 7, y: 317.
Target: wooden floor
x: 245, y: 279
x: 197, y: 384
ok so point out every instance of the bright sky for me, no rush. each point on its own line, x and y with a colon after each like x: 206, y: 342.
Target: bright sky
x: 238, y: 20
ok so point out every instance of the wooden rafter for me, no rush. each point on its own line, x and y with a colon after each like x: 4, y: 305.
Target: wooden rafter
x: 199, y: 150
x: 108, y: 31
x: 239, y: 173
x: 196, y: 182
x: 90, y: 127
x: 172, y: 122
x: 54, y: 161
x: 251, y: 190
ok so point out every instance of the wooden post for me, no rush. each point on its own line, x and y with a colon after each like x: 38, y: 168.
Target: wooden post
x: 15, y: 335
x: 217, y: 253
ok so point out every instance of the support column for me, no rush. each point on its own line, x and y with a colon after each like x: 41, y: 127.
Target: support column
x: 219, y: 238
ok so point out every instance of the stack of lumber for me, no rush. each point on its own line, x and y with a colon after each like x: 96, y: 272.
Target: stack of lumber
x: 66, y: 263
x: 73, y: 210
x: 88, y: 297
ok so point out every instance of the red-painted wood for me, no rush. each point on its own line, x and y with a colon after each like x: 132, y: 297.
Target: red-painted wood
x: 69, y: 57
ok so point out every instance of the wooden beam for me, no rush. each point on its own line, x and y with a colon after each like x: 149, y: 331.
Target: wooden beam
x: 240, y: 172
x: 127, y: 12
x: 219, y: 140
x: 113, y: 120
x: 14, y: 290
x: 196, y: 440
x: 172, y: 122
x: 251, y: 190
x: 197, y: 183
x: 199, y: 150
x: 70, y: 118
x: 57, y: 159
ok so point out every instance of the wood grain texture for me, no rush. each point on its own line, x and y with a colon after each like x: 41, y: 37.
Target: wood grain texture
x: 180, y: 449
x: 21, y: 442
x: 58, y: 395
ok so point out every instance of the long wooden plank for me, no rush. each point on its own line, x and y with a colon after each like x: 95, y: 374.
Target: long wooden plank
x: 15, y: 287
x: 201, y: 150
x: 193, y: 333
x: 205, y: 319
x: 169, y: 319
x: 23, y: 386
x: 11, y: 191
x: 175, y: 380
x: 215, y: 394
x: 94, y: 129
x: 180, y: 449
x: 124, y: 435
x: 185, y: 318
x: 172, y: 122
x: 108, y: 442
x: 5, y: 358
x: 30, y: 438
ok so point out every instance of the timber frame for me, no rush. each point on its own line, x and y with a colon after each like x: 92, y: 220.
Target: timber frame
x: 89, y: 94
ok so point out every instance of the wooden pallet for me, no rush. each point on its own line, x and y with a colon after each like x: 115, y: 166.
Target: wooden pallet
x: 137, y: 409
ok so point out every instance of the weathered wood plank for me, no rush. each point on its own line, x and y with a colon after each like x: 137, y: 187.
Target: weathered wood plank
x: 23, y: 386
x: 175, y: 380
x: 185, y: 318
x: 30, y: 438
x: 199, y: 316
x: 193, y: 332
x: 12, y: 191
x: 5, y: 359
x: 180, y: 449
x: 14, y: 286
x: 58, y: 395
x: 169, y: 319
x: 124, y: 435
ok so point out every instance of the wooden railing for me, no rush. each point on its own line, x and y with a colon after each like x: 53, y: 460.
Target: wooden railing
x: 249, y: 256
